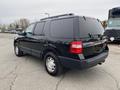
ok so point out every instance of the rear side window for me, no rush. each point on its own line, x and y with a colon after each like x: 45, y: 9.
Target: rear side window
x: 62, y: 28
x: 39, y: 28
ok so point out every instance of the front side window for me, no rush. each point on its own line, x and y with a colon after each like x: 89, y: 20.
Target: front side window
x: 62, y: 28
x: 30, y: 28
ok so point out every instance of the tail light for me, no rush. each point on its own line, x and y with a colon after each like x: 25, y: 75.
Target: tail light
x: 76, y: 47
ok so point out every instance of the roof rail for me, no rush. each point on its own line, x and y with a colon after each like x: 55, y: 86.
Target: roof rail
x: 116, y: 8
x: 70, y: 14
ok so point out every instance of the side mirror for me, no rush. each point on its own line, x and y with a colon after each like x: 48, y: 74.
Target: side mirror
x: 22, y: 33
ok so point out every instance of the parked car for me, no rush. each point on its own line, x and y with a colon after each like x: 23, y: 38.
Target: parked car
x: 112, y: 30
x: 11, y: 31
x: 64, y: 41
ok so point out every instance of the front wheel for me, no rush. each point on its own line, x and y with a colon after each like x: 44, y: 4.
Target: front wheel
x: 17, y: 51
x: 52, y: 64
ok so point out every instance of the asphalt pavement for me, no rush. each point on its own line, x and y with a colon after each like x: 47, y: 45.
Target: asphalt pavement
x: 28, y: 73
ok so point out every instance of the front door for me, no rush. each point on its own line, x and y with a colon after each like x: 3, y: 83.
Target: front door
x: 26, y: 41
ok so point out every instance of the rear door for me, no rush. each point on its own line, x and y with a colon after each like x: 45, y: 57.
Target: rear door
x: 38, y: 39
x: 61, y: 34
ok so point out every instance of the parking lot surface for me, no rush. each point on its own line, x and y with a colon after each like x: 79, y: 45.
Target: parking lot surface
x: 28, y: 73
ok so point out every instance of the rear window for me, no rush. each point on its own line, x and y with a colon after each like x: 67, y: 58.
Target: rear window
x: 62, y: 28
x: 90, y: 26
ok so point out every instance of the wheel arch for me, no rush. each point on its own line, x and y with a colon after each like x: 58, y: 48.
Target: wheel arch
x: 15, y: 41
x: 51, y: 49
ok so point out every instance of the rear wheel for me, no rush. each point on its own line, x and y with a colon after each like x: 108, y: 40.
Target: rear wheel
x: 52, y: 64
x: 17, y: 51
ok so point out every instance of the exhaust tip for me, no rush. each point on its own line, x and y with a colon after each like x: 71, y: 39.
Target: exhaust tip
x: 100, y: 63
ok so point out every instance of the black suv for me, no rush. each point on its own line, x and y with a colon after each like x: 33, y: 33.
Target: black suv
x: 64, y: 41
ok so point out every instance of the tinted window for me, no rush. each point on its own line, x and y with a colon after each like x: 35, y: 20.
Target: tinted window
x: 90, y: 26
x: 62, y: 28
x: 29, y: 29
x: 39, y: 28
x: 114, y: 13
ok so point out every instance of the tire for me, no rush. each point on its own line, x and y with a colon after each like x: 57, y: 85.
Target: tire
x: 17, y: 51
x: 52, y: 64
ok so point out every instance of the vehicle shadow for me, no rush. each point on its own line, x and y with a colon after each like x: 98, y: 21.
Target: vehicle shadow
x: 35, y: 60
x: 89, y: 78
x: 90, y: 73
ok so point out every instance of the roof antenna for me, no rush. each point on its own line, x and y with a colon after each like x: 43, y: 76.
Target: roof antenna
x: 47, y: 14
x: 84, y: 18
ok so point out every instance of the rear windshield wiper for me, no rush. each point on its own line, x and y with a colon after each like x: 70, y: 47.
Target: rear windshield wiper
x: 90, y: 35
x: 93, y: 35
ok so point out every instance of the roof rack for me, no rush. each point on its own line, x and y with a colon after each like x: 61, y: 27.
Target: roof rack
x: 70, y: 14
x: 116, y: 8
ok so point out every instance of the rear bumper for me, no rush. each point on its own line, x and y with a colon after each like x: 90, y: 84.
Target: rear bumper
x: 83, y: 64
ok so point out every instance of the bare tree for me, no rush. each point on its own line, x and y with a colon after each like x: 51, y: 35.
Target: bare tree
x: 3, y: 28
x: 104, y: 23
x: 20, y: 24
x: 24, y: 23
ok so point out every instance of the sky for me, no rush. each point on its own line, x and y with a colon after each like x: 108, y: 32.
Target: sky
x: 11, y: 10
